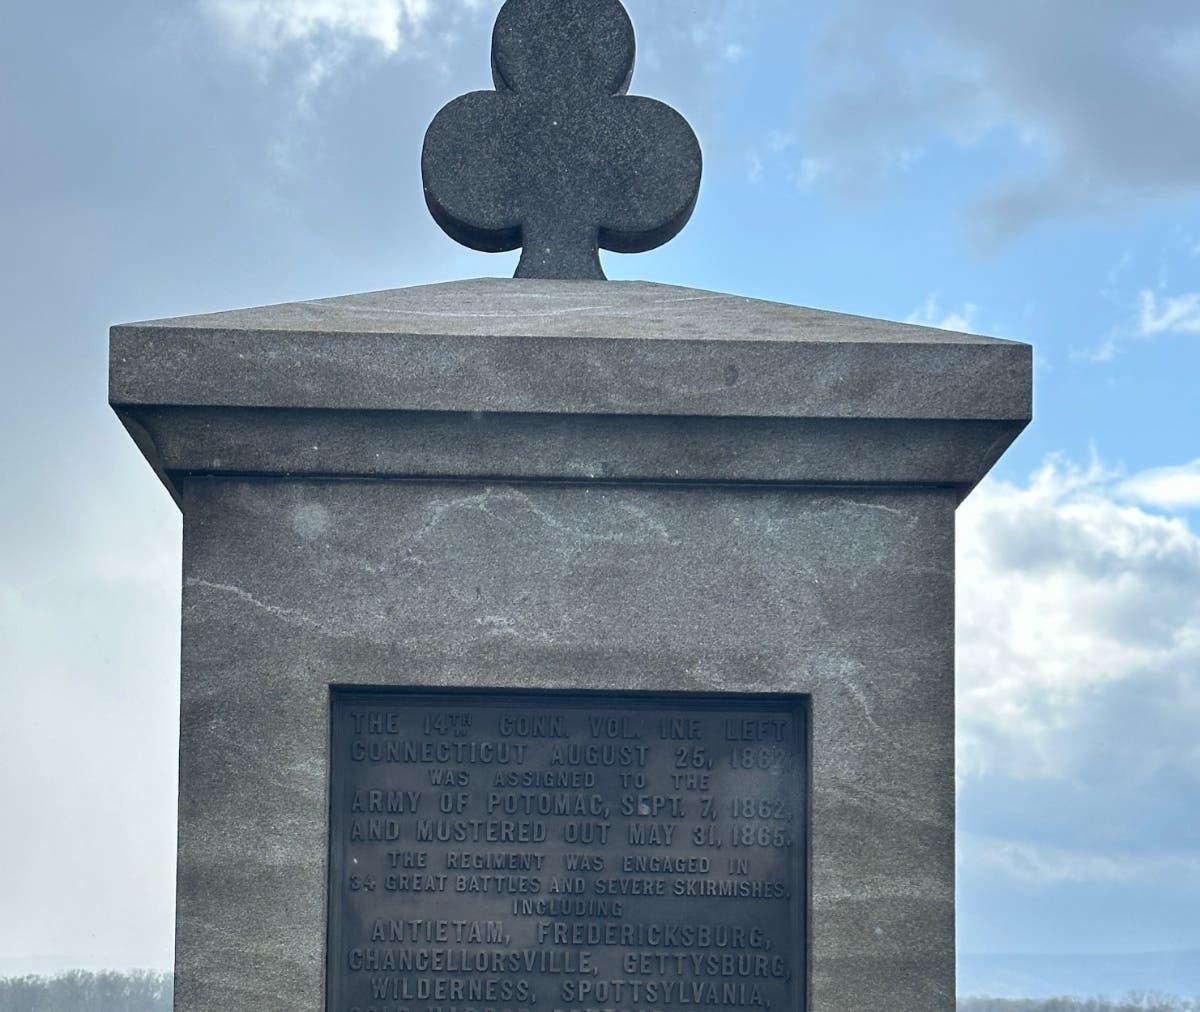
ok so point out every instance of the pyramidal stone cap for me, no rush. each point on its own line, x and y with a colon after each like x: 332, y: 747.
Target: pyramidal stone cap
x: 568, y: 380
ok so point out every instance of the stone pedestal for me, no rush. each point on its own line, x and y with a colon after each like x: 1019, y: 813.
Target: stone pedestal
x: 569, y: 485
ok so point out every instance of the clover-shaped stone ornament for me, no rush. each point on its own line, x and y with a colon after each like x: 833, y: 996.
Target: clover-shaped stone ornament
x: 558, y: 159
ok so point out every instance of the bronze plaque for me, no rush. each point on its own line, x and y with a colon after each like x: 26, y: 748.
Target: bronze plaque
x: 554, y: 852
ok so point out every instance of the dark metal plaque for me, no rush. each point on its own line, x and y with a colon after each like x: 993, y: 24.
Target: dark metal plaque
x: 522, y: 852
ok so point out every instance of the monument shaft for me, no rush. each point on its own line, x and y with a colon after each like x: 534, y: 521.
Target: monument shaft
x: 657, y: 499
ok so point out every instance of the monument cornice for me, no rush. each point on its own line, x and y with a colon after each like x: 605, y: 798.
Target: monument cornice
x: 574, y: 380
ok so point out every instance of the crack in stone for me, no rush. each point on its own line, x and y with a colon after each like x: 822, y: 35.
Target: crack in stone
x: 482, y: 502
x: 864, y: 703
x: 618, y: 311
x: 874, y: 506
x: 286, y: 614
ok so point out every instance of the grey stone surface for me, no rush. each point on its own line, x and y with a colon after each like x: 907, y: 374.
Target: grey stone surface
x: 571, y: 447
x: 582, y: 485
x: 627, y: 348
x: 292, y: 586
x: 558, y: 160
x: 577, y: 380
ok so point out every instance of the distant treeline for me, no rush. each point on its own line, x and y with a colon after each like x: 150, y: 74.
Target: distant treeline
x: 142, y: 991
x: 1135, y: 1002
x: 79, y: 991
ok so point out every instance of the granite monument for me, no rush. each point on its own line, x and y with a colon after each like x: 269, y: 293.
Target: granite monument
x: 559, y: 644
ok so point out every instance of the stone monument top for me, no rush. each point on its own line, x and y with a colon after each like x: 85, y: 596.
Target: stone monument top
x: 558, y: 159
x: 533, y: 379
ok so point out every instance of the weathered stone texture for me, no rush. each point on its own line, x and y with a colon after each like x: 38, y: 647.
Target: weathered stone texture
x: 571, y: 486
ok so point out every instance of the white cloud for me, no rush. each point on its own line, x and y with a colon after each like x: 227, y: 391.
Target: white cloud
x: 1157, y: 315
x: 802, y: 173
x: 930, y: 314
x: 1096, y: 98
x: 1041, y: 864
x: 1079, y: 634
x: 1105, y: 351
x: 754, y: 167
x: 301, y: 47
x: 319, y: 37
x: 1175, y: 314
x: 267, y: 26
x: 1172, y: 488
x: 89, y: 605
x: 780, y: 140
x: 808, y: 172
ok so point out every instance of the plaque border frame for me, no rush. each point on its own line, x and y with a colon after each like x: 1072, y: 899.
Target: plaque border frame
x: 801, y: 707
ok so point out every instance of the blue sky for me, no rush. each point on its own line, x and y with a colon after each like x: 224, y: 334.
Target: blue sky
x: 1029, y: 170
